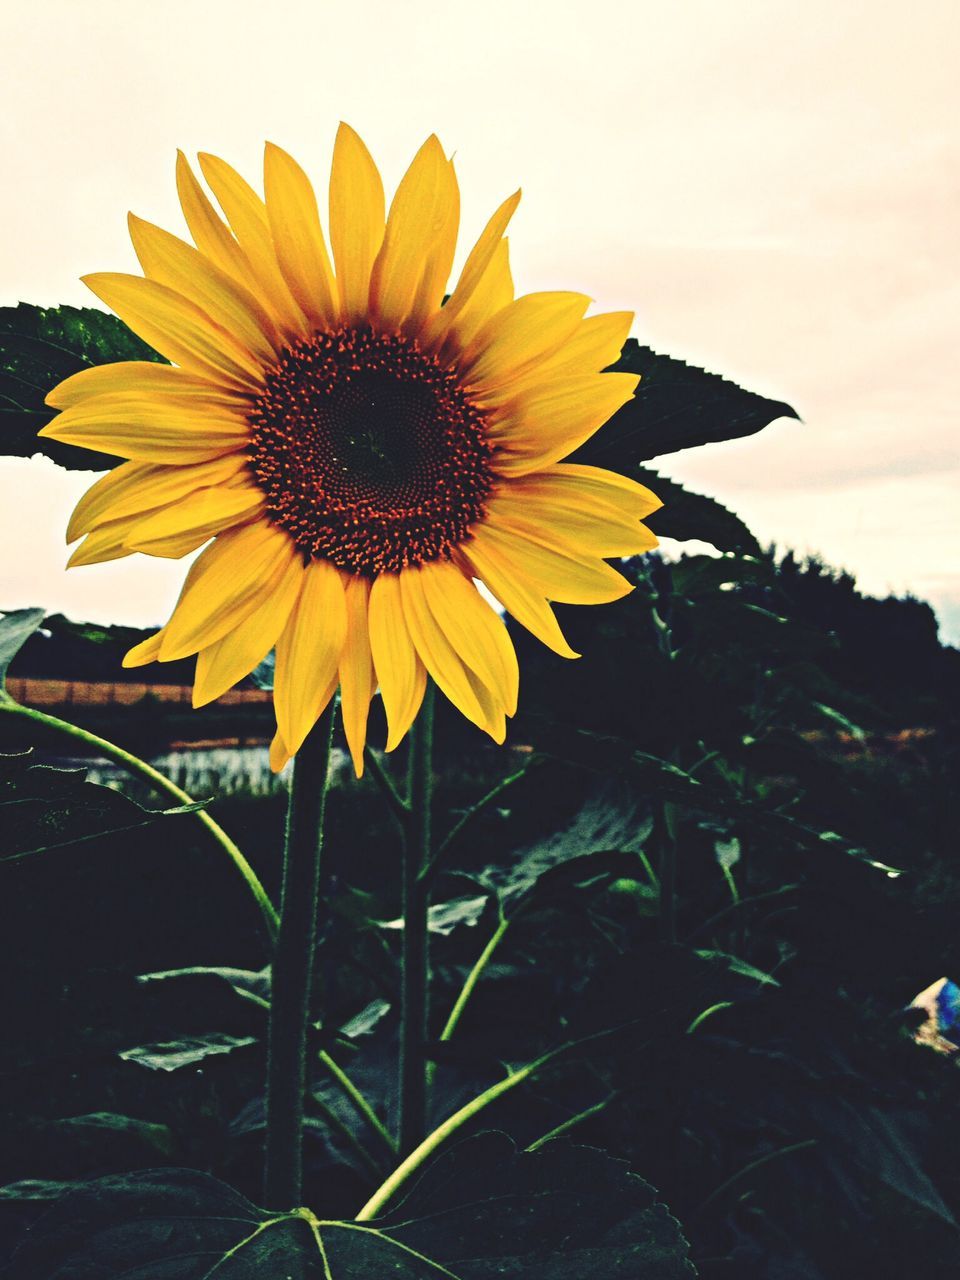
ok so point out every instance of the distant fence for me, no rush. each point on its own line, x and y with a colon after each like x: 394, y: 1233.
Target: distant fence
x: 122, y: 693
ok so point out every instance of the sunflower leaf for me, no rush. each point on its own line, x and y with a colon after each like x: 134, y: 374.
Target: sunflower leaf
x: 42, y: 808
x: 39, y: 347
x: 16, y: 628
x: 676, y: 406
x: 688, y: 516
x: 483, y: 1209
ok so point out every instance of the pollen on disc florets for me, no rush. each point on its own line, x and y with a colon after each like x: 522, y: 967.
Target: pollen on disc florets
x: 370, y: 453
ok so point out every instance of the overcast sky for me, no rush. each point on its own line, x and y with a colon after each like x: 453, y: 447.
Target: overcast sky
x: 772, y: 186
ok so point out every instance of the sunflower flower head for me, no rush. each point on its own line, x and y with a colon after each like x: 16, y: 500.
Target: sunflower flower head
x: 356, y: 452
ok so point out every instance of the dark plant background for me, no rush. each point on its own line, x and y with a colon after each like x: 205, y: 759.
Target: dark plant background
x: 788, y: 746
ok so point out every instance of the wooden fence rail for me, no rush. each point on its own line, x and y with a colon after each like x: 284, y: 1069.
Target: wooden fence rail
x: 122, y: 693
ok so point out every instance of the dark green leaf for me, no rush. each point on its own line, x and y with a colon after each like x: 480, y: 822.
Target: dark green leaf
x: 16, y: 628
x: 99, y: 1125
x: 367, y: 1020
x: 39, y: 347
x: 612, y: 820
x: 251, y: 984
x: 676, y: 406
x: 725, y: 619
x: 29, y: 1189
x: 185, y: 1052
x: 657, y: 776
x: 689, y: 517
x: 444, y: 917
x: 43, y: 808
x: 484, y: 1210
x: 705, y: 575
x: 733, y: 964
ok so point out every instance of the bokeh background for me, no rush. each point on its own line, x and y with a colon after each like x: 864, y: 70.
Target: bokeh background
x: 771, y: 185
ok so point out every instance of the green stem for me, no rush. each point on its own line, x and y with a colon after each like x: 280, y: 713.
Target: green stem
x: 349, y: 1137
x: 474, y: 811
x: 415, y: 963
x: 432, y: 1141
x: 749, y: 1168
x: 473, y: 977
x: 292, y: 970
x: 395, y: 801
x: 157, y: 780
x: 429, y: 1145
x: 572, y: 1122
x: 360, y: 1103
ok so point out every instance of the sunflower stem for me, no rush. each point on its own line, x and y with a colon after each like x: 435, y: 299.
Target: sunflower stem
x: 415, y: 962
x: 292, y: 971
x: 140, y: 768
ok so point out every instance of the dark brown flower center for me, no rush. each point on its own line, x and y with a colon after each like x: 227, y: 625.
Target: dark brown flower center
x: 369, y: 452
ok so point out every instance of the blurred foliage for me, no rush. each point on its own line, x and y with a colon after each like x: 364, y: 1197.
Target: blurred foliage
x: 752, y: 1064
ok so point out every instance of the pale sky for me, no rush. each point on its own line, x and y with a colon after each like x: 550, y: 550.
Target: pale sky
x: 771, y: 185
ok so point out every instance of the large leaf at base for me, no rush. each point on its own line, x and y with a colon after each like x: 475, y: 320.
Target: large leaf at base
x: 676, y: 406
x: 484, y: 1210
x: 42, y: 808
x: 39, y: 347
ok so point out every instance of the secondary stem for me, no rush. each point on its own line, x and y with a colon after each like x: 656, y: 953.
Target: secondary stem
x: 135, y: 765
x: 360, y: 1103
x: 426, y: 1148
x: 415, y: 962
x: 292, y: 970
x: 473, y: 977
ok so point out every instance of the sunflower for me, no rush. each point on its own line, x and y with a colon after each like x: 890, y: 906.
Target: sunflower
x: 357, y: 452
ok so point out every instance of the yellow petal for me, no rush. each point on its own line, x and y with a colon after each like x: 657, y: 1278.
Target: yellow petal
x: 521, y: 598
x: 279, y: 753
x: 225, y: 584
x: 401, y: 674
x: 493, y: 292
x: 176, y: 264
x: 478, y: 263
x: 435, y: 650
x: 571, y: 482
x: 151, y: 428
x: 356, y: 221
x: 474, y: 629
x: 495, y: 720
x: 411, y: 270
x: 536, y: 430
x: 436, y: 272
x: 221, y: 664
x: 177, y: 329
x: 596, y: 529
x: 559, y: 571
x: 141, y: 487
x: 298, y: 237
x: 108, y: 542
x: 520, y: 336
x: 141, y: 378
x: 183, y: 526
x: 146, y: 651
x: 596, y: 344
x: 308, y: 653
x: 210, y: 234
x: 247, y: 216
x: 357, y: 678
